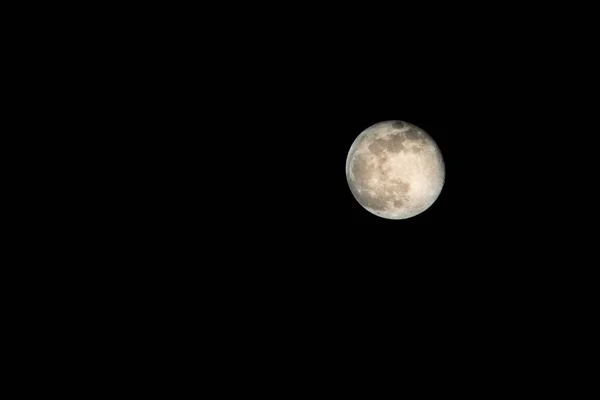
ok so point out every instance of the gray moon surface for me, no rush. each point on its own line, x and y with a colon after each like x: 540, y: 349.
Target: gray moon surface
x: 395, y: 170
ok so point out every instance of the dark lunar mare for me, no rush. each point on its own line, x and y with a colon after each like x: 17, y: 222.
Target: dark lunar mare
x: 362, y: 173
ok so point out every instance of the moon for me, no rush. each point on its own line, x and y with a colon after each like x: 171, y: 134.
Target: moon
x: 395, y: 170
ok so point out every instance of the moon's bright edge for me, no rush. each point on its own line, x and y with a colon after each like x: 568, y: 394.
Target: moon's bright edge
x: 395, y: 170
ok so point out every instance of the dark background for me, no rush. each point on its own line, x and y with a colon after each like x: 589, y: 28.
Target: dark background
x: 237, y: 135
x: 248, y: 136
x: 198, y: 183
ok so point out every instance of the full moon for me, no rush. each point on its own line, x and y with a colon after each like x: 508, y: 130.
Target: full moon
x: 395, y: 170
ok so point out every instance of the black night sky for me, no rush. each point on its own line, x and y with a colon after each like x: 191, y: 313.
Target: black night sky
x: 260, y: 136
x: 217, y: 197
x: 228, y: 150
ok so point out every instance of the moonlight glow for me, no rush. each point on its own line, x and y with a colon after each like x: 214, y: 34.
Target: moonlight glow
x: 395, y: 170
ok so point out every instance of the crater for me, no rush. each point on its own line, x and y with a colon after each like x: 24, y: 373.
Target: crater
x: 398, y: 124
x: 361, y: 171
x: 401, y: 186
x: 374, y: 202
x: 367, y: 200
x: 382, y: 195
x: 396, y: 144
x: 377, y: 146
x: 383, y: 172
x: 413, y: 134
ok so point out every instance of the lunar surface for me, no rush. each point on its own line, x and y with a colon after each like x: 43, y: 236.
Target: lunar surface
x: 395, y: 170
